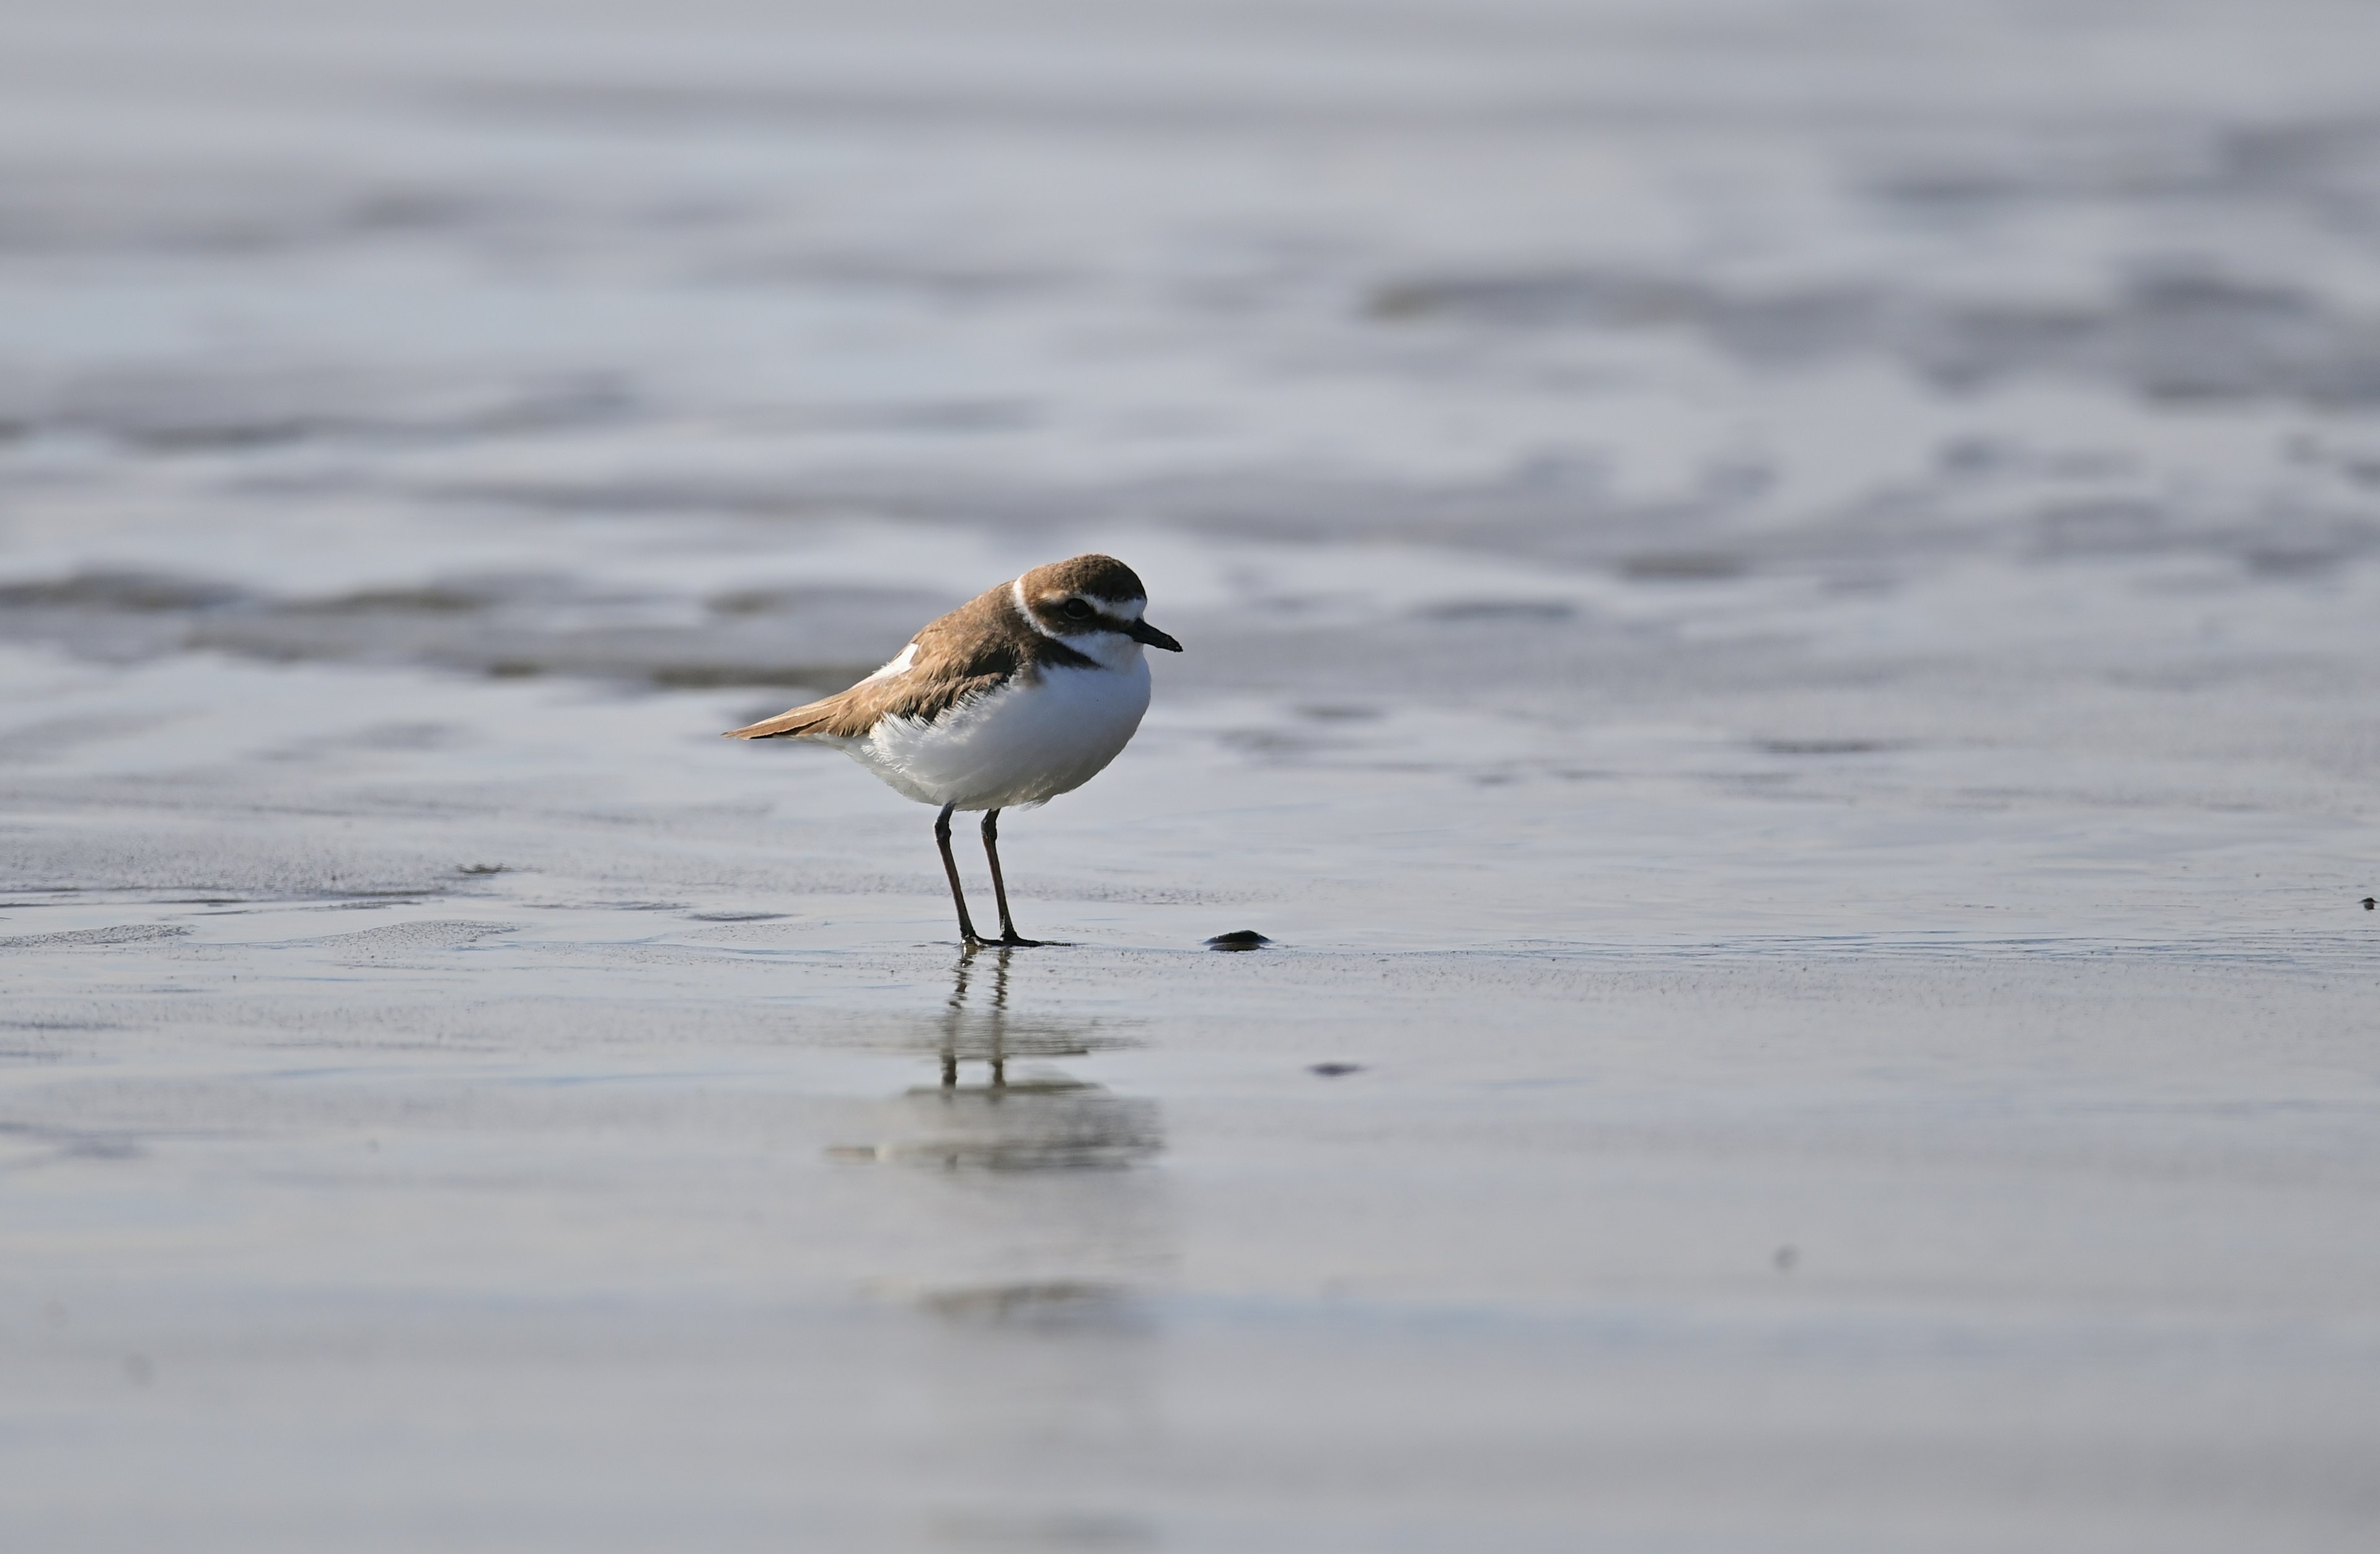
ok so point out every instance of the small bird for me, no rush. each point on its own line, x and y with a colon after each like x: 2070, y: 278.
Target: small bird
x: 1021, y: 694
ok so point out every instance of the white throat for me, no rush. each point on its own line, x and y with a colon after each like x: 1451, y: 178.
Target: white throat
x: 1112, y: 649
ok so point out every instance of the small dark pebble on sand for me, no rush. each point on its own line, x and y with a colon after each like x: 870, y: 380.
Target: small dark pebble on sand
x: 2370, y: 902
x: 1333, y: 1071
x: 1247, y: 939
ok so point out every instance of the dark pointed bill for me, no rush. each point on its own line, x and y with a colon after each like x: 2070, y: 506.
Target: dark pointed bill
x: 1141, y: 631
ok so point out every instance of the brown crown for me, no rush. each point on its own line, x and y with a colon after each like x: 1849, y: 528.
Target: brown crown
x: 1094, y: 576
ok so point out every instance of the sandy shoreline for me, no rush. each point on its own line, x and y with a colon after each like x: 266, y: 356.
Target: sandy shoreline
x: 1781, y: 621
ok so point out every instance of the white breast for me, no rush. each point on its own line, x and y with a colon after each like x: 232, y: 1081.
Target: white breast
x: 1024, y: 744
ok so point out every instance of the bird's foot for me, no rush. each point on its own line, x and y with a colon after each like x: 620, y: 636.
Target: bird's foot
x: 1009, y: 940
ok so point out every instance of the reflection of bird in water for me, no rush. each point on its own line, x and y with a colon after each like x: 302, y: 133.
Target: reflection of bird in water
x: 996, y: 1056
x: 1038, y: 1121
x: 1021, y: 695
x: 966, y: 1032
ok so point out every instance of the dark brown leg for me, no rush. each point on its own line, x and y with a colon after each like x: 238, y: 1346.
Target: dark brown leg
x: 1008, y: 934
x: 950, y: 867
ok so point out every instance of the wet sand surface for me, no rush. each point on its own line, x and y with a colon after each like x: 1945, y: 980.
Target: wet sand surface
x: 1781, y: 622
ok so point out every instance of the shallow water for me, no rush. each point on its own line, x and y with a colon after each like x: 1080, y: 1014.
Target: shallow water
x: 1782, y: 614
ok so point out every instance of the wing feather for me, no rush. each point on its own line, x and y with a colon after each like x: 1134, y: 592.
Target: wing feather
x: 976, y: 648
x: 802, y: 719
x: 854, y: 715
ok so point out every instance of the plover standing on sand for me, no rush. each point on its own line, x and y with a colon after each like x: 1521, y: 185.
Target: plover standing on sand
x: 1024, y: 693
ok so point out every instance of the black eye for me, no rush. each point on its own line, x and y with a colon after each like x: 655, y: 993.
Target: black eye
x: 1076, y: 609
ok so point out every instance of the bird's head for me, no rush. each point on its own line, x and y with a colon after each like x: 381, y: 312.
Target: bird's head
x: 1088, y: 598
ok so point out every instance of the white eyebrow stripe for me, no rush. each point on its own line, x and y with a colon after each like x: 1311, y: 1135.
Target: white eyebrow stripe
x: 1016, y: 592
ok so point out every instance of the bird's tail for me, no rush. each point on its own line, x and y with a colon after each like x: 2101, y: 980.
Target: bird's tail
x: 785, y: 725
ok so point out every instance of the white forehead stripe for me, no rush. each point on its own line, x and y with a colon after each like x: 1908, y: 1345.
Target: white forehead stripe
x: 1016, y: 592
x: 1124, y: 610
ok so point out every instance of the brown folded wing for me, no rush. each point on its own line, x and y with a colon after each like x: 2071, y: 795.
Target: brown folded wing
x: 852, y: 714
x: 977, y: 647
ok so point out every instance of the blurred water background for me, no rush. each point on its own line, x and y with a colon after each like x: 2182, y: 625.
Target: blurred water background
x: 1781, y: 621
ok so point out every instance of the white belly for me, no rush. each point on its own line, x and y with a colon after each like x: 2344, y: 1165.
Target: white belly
x: 1020, y: 745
